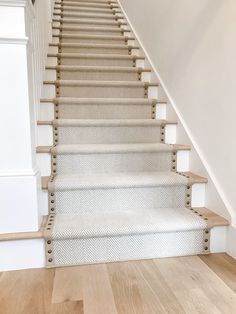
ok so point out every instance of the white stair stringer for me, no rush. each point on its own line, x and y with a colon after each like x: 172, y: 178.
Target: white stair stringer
x: 113, y: 192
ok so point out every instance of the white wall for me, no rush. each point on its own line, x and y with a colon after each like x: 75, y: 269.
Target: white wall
x: 192, y: 46
x: 25, y: 31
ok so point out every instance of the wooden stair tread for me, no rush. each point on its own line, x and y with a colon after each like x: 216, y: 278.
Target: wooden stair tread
x: 83, y: 28
x: 47, y: 149
x: 95, y: 56
x: 101, y: 100
x: 112, y: 122
x: 97, y: 68
x: 86, y: 83
x: 25, y: 235
x: 87, y: 45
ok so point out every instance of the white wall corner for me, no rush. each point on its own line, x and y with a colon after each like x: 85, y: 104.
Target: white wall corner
x: 228, y: 209
x: 231, y: 241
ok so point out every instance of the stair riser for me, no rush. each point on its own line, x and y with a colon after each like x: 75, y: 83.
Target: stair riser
x: 104, y: 112
x: 108, y: 135
x: 84, y: 22
x: 118, y: 40
x: 44, y: 163
x: 97, y: 62
x: 93, y: 200
x: 73, y: 9
x: 88, y: 1
x: 102, y: 92
x: 88, y: 32
x: 130, y: 41
x: 95, y: 50
x: 99, y: 75
x: 133, y: 247
x: 105, y: 163
x: 88, y: 16
x: 86, y: 5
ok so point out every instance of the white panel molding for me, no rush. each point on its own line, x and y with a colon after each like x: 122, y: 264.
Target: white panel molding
x: 186, y: 128
x: 14, y: 41
x: 20, y: 172
x: 13, y: 3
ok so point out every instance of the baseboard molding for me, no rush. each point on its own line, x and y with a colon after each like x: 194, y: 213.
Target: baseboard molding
x: 22, y: 254
x: 231, y: 241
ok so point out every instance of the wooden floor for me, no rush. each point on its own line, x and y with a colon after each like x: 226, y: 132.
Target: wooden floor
x: 204, y: 284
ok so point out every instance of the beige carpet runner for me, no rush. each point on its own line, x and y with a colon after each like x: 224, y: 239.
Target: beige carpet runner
x: 114, y: 194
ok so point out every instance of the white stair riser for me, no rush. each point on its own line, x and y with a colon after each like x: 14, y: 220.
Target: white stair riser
x: 23, y: 254
x: 105, y: 163
x: 87, y: 22
x: 93, y: 135
x: 131, y: 247
x: 102, y: 91
x: 100, y: 111
x: 95, y: 50
x: 49, y: 91
x: 99, y: 75
x: 68, y: 9
x: 44, y: 162
x: 46, y: 112
x: 113, y: 40
x: 112, y: 199
x: 109, y: 135
x: 97, y: 62
x: 104, y: 111
x: 88, y: 32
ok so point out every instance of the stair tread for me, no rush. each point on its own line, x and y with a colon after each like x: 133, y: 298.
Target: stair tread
x: 100, y: 83
x: 134, y: 221
x: 111, y: 122
x: 116, y: 180
x: 94, y: 55
x: 132, y: 101
x: 88, y: 45
x: 89, y: 15
x: 107, y: 122
x: 184, y: 177
x: 89, y: 36
x: 91, y: 28
x: 112, y: 148
x: 90, y: 68
x: 84, y: 21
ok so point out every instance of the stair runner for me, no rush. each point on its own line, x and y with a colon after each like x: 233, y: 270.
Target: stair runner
x: 114, y: 194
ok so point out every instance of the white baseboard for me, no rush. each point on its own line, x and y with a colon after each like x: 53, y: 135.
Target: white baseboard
x: 22, y: 254
x: 218, y: 239
x: 231, y: 241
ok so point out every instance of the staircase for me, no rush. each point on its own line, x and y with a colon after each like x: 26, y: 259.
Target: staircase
x: 116, y: 191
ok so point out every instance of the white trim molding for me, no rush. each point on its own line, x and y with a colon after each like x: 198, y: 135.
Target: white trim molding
x: 13, y: 3
x: 231, y: 243
x: 14, y: 41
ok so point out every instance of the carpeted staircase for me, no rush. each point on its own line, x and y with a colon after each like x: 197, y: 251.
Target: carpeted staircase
x: 114, y: 193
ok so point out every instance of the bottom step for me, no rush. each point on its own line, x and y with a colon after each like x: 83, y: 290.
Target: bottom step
x: 119, y: 236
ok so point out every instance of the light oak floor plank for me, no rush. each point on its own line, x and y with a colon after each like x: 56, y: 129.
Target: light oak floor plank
x: 224, y: 266
x: 89, y: 283
x: 197, y: 288
x: 26, y: 291
x: 70, y: 307
x: 191, y: 285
